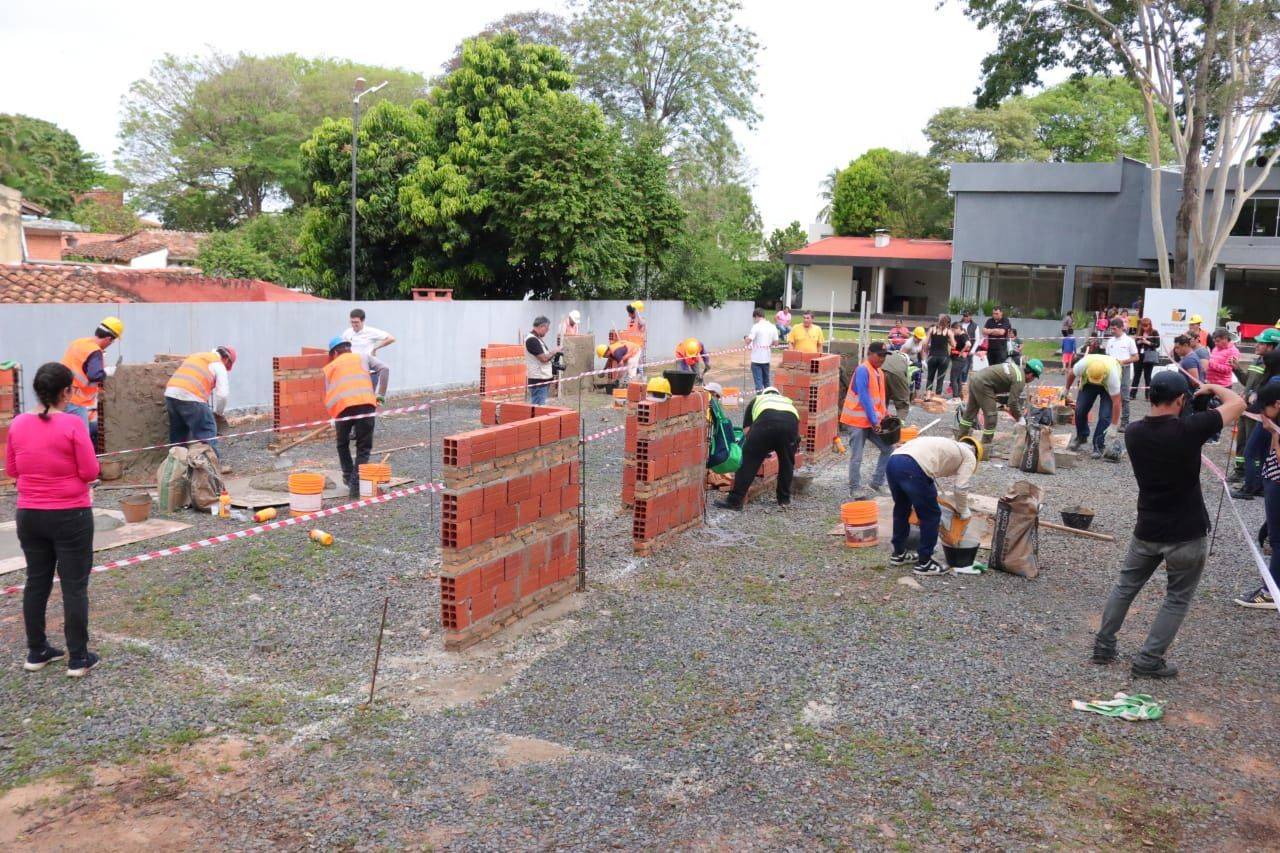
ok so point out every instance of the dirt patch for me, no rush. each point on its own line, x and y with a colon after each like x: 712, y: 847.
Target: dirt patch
x: 513, y: 751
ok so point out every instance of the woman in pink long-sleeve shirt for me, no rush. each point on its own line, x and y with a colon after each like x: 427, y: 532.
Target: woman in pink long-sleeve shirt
x: 52, y: 458
x: 1222, y: 359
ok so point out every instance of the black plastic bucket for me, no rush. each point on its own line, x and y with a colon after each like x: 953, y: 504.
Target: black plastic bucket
x: 681, y: 382
x: 890, y: 429
x: 962, y: 554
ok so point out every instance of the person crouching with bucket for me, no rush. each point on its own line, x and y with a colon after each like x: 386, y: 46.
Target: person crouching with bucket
x: 912, y: 475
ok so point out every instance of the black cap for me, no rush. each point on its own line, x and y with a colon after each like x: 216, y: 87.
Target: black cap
x: 1168, y: 386
x: 876, y: 348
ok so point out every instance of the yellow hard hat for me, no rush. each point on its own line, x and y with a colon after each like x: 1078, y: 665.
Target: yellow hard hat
x: 601, y: 350
x: 918, y: 332
x: 638, y: 305
x: 978, y: 451
x: 113, y: 325
x: 1096, y: 371
x: 692, y: 347
x: 658, y: 385
x: 1278, y: 324
x: 1196, y: 318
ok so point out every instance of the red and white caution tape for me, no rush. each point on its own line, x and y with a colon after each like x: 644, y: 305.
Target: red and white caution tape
x: 1264, y: 568
x: 603, y: 433
x: 251, y: 531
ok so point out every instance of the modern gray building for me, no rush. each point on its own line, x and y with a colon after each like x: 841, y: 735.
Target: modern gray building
x: 1047, y: 238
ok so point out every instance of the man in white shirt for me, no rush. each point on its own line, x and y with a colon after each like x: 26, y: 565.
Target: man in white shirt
x: 762, y: 337
x: 1124, y: 350
x: 196, y: 393
x: 365, y: 339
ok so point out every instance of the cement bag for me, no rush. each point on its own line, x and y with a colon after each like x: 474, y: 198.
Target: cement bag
x: 1113, y: 444
x: 173, y: 481
x: 206, y: 481
x: 1032, y: 449
x: 1015, y: 543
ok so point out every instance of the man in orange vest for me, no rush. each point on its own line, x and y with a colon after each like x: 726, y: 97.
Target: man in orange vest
x: 195, y: 393
x: 693, y: 358
x: 348, y: 393
x: 864, y: 409
x: 88, y: 370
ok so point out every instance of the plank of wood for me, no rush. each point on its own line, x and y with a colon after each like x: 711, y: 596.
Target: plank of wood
x: 314, y: 434
x: 105, y: 540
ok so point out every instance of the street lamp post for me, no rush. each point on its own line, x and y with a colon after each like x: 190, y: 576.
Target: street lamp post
x: 357, y: 93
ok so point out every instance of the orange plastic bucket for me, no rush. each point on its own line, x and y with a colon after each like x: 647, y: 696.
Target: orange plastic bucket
x: 371, y: 475
x: 306, y: 492
x: 908, y: 433
x: 861, y: 521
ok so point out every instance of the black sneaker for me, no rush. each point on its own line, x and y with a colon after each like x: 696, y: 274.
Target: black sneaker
x: 79, y: 667
x: 725, y: 503
x: 1102, y: 657
x: 1244, y: 494
x: 1075, y: 443
x: 929, y: 568
x: 1096, y: 454
x: 1259, y: 599
x: 903, y: 559
x: 38, y: 660
x: 1159, y: 671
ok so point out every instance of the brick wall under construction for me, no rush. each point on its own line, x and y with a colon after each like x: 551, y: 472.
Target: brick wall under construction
x: 502, y: 372
x: 667, y: 442
x: 509, y: 518
x: 812, y: 381
x: 297, y: 388
x: 10, y: 382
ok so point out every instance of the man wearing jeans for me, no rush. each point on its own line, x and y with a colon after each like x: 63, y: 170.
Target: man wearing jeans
x: 1173, y: 524
x: 864, y: 409
x: 1099, y: 377
x: 538, y: 357
x: 762, y: 337
x: 914, y: 469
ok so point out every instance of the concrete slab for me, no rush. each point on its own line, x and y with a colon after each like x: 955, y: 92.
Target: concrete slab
x: 245, y: 496
x: 110, y: 528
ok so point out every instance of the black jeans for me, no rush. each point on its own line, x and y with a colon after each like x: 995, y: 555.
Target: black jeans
x: 1141, y: 370
x: 959, y: 368
x: 937, y: 373
x: 772, y: 432
x: 61, y: 541
x: 363, y: 431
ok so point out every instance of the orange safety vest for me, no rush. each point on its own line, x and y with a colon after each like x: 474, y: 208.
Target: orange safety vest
x: 83, y: 392
x: 853, y: 414
x: 690, y: 360
x: 347, y: 384
x: 617, y: 350
x: 194, y: 375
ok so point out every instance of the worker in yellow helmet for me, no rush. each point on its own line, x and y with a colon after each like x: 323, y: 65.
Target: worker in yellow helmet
x: 1196, y: 332
x: 84, y: 358
x: 1099, y: 377
x: 692, y: 358
x: 616, y: 354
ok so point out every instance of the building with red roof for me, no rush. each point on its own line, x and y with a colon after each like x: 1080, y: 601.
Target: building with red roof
x: 897, y: 276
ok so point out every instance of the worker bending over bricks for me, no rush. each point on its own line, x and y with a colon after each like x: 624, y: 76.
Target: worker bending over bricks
x: 197, y: 392
x: 913, y: 471
x: 348, y: 392
x: 987, y: 387
x: 771, y: 425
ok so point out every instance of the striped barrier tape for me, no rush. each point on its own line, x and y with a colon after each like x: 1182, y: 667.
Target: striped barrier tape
x: 418, y: 407
x: 1264, y: 568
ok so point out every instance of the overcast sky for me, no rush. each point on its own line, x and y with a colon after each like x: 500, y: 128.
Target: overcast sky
x: 836, y: 77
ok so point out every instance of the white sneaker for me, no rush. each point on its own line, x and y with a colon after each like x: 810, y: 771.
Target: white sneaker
x: 930, y: 568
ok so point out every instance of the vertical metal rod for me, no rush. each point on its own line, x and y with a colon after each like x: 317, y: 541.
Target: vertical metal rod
x: 355, y: 147
x: 377, y: 655
x: 582, y: 493
x: 1214, y: 537
x: 431, y: 463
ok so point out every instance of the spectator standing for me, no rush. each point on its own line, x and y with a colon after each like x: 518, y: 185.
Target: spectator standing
x: 997, y: 333
x: 1148, y: 343
x: 865, y: 406
x: 1068, y: 343
x: 365, y: 339
x: 762, y: 336
x: 1173, y: 524
x: 52, y: 458
x: 538, y: 356
x: 1185, y: 356
x: 1124, y: 350
x: 961, y: 346
x: 1099, y: 377
x: 807, y: 337
x: 1269, y: 410
x: 970, y: 330
x: 783, y: 321
x: 1222, y: 359
x: 940, y: 344
x: 1199, y: 336
x: 1264, y: 371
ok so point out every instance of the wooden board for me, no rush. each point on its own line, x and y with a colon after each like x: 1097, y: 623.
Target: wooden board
x: 243, y: 496
x: 105, y: 540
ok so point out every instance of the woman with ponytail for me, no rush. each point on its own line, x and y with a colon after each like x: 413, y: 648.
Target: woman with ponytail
x: 51, y: 456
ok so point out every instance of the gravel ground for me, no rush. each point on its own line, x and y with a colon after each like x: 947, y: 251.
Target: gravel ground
x: 755, y: 684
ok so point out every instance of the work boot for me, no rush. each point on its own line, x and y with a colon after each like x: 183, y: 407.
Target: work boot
x: 1103, y: 657
x: 1075, y: 443
x: 1161, y: 670
x: 1243, y: 494
x: 1096, y: 454
x: 728, y: 503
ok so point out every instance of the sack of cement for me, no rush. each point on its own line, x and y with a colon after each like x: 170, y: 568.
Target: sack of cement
x: 1032, y: 449
x: 1015, y: 543
x: 1113, y: 444
x: 206, y: 481
x: 173, y: 481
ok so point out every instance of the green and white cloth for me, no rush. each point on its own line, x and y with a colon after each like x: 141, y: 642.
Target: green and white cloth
x: 1125, y: 706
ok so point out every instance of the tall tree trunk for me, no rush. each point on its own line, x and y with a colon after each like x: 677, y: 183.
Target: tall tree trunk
x: 1190, y: 206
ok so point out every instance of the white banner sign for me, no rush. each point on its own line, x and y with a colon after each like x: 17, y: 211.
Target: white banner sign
x: 1171, y: 311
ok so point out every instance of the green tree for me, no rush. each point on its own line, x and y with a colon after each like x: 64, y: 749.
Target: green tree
x: 209, y: 141
x: 44, y: 162
x: 784, y: 240
x: 265, y: 247
x: 712, y: 259
x: 534, y: 26
x: 106, y: 218
x: 684, y: 68
x: 972, y: 135
x: 898, y: 190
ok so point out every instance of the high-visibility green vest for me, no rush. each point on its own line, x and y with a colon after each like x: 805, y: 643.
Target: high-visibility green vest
x: 772, y: 403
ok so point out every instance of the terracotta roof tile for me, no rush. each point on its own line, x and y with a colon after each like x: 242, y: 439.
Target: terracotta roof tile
x: 865, y: 247
x: 182, y: 246
x: 55, y: 283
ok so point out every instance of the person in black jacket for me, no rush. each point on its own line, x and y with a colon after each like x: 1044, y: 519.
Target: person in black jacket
x: 771, y: 425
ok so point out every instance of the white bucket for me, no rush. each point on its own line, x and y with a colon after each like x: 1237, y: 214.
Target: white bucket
x: 369, y: 489
x: 305, y: 503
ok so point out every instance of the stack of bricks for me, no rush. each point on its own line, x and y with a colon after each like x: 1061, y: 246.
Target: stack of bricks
x: 502, y: 372
x: 812, y: 381
x: 666, y: 443
x: 10, y: 381
x: 509, y: 518
x: 297, y: 387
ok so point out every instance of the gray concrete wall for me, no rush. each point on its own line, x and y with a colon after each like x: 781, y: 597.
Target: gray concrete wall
x: 438, y: 343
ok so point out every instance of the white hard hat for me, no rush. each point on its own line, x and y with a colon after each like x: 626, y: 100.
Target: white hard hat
x: 575, y: 316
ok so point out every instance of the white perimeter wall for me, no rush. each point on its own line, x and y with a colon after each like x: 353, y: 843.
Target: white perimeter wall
x: 437, y: 343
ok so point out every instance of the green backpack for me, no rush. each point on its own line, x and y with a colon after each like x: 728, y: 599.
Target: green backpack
x: 724, y: 452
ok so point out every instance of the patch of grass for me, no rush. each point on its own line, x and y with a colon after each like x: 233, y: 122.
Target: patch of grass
x: 258, y: 708
x: 848, y: 748
x: 161, y: 781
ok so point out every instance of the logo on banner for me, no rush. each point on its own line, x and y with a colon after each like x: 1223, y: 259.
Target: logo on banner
x: 1178, y: 315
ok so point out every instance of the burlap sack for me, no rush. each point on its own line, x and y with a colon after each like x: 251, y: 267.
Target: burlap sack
x: 1015, y: 543
x: 173, y: 481
x: 206, y: 481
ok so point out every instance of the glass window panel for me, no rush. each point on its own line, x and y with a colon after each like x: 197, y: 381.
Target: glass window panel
x: 1244, y: 224
x: 1264, y: 216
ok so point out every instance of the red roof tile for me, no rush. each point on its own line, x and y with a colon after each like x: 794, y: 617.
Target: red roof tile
x: 865, y: 247
x: 56, y: 283
x: 182, y: 246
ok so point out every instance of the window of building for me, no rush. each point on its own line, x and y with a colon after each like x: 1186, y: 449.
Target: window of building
x: 1252, y: 294
x: 1023, y: 290
x: 1258, y: 218
x: 1097, y: 288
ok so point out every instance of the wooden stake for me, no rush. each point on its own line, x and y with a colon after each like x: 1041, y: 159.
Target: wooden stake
x: 377, y: 655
